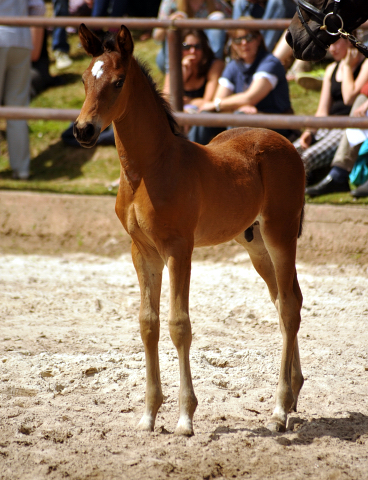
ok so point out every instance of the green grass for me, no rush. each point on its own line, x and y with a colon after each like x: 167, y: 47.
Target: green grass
x: 62, y: 169
x: 54, y: 166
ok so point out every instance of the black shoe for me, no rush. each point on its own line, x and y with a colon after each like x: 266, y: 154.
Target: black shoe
x: 361, y: 191
x: 327, y: 185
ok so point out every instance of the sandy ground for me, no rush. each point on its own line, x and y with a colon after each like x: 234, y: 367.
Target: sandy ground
x: 73, y: 374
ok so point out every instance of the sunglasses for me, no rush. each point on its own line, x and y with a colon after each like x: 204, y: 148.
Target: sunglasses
x: 249, y: 37
x: 188, y: 46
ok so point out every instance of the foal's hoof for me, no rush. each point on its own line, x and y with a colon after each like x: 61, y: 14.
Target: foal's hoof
x: 146, y: 424
x: 276, y: 427
x: 184, y: 427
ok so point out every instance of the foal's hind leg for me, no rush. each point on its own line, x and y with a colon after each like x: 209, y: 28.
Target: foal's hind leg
x: 265, y: 267
x: 280, y: 239
x: 179, y: 264
x: 149, y: 270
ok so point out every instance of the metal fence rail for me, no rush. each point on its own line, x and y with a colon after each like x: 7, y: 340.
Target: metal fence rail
x: 174, y: 41
x: 138, y: 23
x: 208, y: 119
x: 144, y: 23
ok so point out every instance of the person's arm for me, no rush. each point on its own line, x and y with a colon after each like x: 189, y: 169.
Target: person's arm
x: 212, y: 83
x: 323, y: 109
x: 361, y: 111
x: 158, y: 34
x: 221, y: 92
x: 257, y: 91
x: 37, y: 41
x: 36, y: 7
x: 351, y: 87
x: 325, y: 98
x: 165, y: 13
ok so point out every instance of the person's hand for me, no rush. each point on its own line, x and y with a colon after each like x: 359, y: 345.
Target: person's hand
x: 187, y: 66
x: 352, y: 57
x: 361, y: 111
x: 178, y: 15
x: 248, y: 109
x: 190, y: 108
x: 207, y: 107
x: 188, y: 60
x: 306, y: 139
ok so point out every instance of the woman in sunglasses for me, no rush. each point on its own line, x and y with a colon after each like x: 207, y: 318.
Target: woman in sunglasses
x: 253, y: 81
x: 178, y: 9
x: 201, y: 70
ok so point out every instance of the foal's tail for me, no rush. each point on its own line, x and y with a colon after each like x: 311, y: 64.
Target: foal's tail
x: 301, y: 221
x: 303, y: 209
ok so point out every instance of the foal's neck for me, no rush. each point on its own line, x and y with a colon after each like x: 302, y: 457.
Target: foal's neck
x: 143, y: 131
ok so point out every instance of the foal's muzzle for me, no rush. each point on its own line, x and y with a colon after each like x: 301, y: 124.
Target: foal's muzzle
x: 86, y: 135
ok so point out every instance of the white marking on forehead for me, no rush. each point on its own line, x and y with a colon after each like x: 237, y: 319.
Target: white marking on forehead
x: 97, y: 69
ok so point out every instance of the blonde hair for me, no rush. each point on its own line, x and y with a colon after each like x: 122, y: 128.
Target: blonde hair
x: 184, y: 6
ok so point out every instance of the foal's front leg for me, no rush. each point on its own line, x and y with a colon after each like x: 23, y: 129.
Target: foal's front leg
x: 149, y: 266
x: 179, y: 264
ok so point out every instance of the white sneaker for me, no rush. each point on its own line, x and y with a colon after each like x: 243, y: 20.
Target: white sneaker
x: 309, y: 82
x: 62, y: 60
x: 20, y: 176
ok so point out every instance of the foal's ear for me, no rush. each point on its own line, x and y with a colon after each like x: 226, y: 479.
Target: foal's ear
x: 124, y: 42
x: 90, y: 42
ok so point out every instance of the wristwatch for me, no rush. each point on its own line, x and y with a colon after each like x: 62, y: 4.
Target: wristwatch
x: 217, y: 102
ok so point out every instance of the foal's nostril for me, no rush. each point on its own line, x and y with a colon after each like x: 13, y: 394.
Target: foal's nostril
x: 75, y: 130
x: 84, y: 133
x: 89, y: 130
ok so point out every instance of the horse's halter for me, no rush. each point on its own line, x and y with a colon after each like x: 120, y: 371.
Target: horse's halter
x: 334, y: 21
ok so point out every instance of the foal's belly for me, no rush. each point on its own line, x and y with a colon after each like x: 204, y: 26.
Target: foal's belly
x: 220, y: 230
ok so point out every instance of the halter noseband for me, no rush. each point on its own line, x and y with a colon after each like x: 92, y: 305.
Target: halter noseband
x: 334, y: 21
x: 322, y: 16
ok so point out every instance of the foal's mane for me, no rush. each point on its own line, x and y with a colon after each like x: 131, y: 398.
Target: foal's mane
x: 109, y: 45
x: 161, y: 100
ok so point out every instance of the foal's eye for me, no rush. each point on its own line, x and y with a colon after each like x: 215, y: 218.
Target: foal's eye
x: 119, y: 83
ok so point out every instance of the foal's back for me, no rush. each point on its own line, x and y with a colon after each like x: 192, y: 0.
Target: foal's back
x: 245, y: 173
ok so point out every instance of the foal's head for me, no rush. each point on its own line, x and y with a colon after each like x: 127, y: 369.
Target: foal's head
x: 103, y: 82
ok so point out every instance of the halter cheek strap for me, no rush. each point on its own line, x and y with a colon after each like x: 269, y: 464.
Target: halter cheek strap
x: 315, y: 12
x: 322, y: 17
x: 311, y: 9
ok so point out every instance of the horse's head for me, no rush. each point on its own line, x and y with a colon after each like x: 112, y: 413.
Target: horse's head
x: 303, y: 30
x: 103, y: 83
x: 316, y: 24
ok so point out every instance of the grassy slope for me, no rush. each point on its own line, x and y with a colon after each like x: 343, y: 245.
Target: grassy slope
x: 58, y: 168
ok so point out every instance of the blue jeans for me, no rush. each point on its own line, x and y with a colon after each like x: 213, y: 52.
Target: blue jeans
x: 101, y: 8
x: 59, y: 40
x: 216, y: 39
x: 243, y: 8
x: 275, y: 9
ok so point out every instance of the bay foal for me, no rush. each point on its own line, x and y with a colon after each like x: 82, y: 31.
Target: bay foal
x: 174, y: 195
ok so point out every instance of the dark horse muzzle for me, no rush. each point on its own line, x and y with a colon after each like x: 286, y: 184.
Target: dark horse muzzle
x: 323, y: 27
x: 330, y: 21
x: 87, y: 134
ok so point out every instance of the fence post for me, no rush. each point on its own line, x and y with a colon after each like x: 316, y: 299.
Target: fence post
x: 176, y: 77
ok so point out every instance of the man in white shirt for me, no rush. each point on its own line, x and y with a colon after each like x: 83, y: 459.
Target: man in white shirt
x: 15, y: 63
